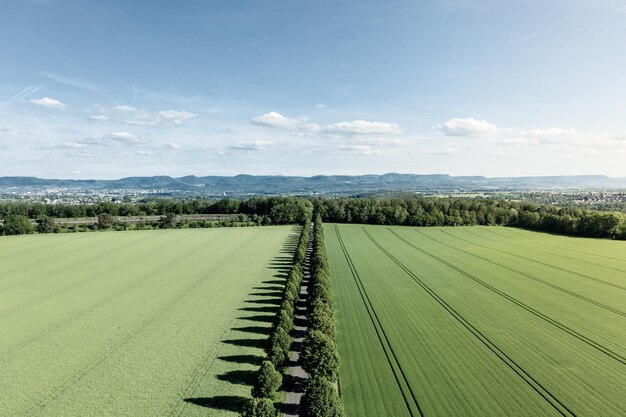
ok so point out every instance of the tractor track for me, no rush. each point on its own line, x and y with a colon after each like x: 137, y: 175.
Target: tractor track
x: 382, y: 336
x: 531, y: 277
x: 616, y: 356
x: 561, y: 408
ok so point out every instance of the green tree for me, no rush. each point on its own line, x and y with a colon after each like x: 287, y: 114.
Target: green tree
x: 46, y: 224
x: 17, y: 224
x: 268, y: 381
x: 259, y: 407
x: 319, y: 356
x: 168, y: 221
x: 105, y: 220
x: 280, y: 345
x: 321, y: 400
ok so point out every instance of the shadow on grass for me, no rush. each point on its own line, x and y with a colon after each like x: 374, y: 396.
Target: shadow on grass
x: 239, y: 377
x: 254, y: 329
x: 260, y: 318
x: 254, y: 343
x: 233, y: 403
x: 264, y: 309
x: 243, y: 359
x: 268, y: 296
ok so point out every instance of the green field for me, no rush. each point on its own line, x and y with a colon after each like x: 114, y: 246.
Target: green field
x: 154, y: 323
x: 478, y: 321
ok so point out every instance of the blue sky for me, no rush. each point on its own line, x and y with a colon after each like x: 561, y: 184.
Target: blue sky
x: 304, y: 87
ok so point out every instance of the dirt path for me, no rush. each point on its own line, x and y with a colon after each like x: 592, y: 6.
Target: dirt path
x: 296, y: 377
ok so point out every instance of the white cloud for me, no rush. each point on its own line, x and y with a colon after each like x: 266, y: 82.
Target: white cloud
x: 363, y: 127
x: 173, y: 145
x: 467, y: 127
x: 4, y: 129
x: 98, y: 118
x: 124, y: 108
x: 123, y: 136
x: 255, y: 145
x: 276, y: 120
x: 143, y: 153
x: 137, y: 117
x: 71, y: 145
x: 360, y: 149
x: 48, y: 102
x: 175, y: 116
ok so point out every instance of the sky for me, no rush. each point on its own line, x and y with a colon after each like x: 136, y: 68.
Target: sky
x: 306, y: 87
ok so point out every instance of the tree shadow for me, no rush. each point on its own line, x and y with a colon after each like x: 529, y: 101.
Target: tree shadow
x: 260, y: 318
x: 232, y: 403
x: 268, y: 293
x: 264, y: 309
x: 255, y: 343
x: 272, y: 301
x: 294, y: 383
x: 239, y: 377
x: 243, y: 359
x: 274, y: 281
x: 254, y: 329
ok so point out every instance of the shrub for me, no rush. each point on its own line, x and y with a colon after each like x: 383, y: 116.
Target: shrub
x: 320, y: 400
x: 17, y: 224
x: 279, y: 346
x: 285, y: 320
x: 322, y: 318
x: 259, y: 407
x: 268, y: 381
x: 319, y: 356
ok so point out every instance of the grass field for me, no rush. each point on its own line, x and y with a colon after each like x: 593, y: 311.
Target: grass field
x: 154, y: 323
x: 477, y: 321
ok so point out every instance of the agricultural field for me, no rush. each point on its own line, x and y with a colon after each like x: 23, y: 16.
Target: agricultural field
x: 152, y: 323
x: 478, y: 321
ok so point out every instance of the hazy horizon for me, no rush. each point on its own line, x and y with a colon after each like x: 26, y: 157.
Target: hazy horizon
x: 461, y: 87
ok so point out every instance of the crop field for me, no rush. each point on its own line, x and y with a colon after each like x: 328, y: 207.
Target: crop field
x: 152, y: 323
x: 478, y: 321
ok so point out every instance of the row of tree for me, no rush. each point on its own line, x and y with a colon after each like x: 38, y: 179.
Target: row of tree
x: 276, y: 210
x: 430, y: 211
x: 408, y: 210
x: 319, y: 354
x: 269, y: 377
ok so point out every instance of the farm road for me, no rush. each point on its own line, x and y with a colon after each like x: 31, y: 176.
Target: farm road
x: 296, y: 377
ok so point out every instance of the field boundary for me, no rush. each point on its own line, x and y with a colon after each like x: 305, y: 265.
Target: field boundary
x: 380, y: 333
x: 517, y: 369
x: 521, y: 304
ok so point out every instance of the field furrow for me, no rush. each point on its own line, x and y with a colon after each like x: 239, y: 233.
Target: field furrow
x: 494, y: 338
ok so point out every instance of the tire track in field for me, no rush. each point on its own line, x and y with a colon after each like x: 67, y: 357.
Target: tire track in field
x: 382, y: 336
x: 55, y: 327
x: 72, y: 285
x: 616, y: 356
x: 531, y: 277
x: 561, y: 408
x: 62, y: 260
x: 60, y: 390
x: 585, y: 261
x: 519, y: 229
x: 537, y: 261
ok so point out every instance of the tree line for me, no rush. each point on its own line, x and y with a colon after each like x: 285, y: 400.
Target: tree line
x: 319, y: 353
x: 406, y: 210
x: 431, y: 211
x: 269, y: 377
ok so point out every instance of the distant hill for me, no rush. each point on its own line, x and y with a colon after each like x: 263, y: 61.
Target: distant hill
x: 245, y: 185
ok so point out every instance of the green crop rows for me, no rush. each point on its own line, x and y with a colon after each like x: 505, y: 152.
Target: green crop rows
x: 154, y: 323
x: 478, y: 321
